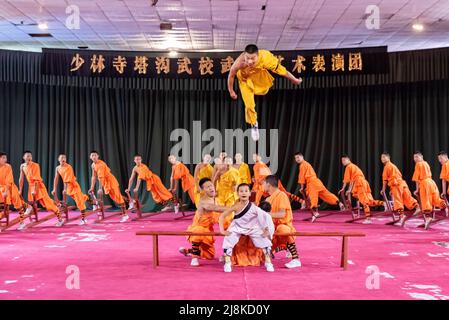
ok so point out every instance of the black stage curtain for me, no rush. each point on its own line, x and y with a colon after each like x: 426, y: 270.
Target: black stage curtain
x: 323, y: 122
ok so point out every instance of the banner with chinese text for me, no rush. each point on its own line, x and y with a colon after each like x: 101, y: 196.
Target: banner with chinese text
x: 201, y: 64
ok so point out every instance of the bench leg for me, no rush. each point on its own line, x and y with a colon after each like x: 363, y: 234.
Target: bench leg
x: 344, y: 253
x: 155, y: 251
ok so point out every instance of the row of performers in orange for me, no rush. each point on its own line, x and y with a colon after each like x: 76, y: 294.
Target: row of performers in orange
x: 215, y: 192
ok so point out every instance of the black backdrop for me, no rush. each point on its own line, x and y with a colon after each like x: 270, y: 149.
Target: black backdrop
x: 360, y: 115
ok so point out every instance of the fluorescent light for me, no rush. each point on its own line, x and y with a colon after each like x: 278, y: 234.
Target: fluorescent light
x: 418, y: 26
x: 43, y: 25
x: 173, y: 53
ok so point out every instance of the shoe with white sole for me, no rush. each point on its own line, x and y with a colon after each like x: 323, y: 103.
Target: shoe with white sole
x: 342, y: 206
x: 184, y: 251
x: 294, y: 263
x: 176, y: 208
x: 427, y: 223
x: 95, y: 207
x: 194, y: 262
x: 22, y: 226
x: 227, y: 267
x: 167, y: 208
x: 131, y: 205
x: 82, y: 222
x: 269, y: 266
x: 315, y: 216
x: 60, y: 223
x: 124, y: 218
x: 28, y: 210
x: 255, y: 132
x: 402, y: 220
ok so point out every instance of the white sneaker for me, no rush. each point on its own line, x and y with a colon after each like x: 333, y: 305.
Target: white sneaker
x: 269, y: 266
x: 22, y: 226
x: 176, y: 208
x: 402, y: 221
x: 427, y: 223
x: 95, y: 207
x: 166, y: 208
x: 227, y: 267
x: 82, y: 222
x: 255, y: 132
x: 294, y: 263
x: 367, y: 221
x: 417, y: 211
x: 314, y: 217
x: 124, y: 218
x: 60, y: 223
x: 342, y: 206
x: 28, y: 210
x: 131, y: 205
x: 194, y: 262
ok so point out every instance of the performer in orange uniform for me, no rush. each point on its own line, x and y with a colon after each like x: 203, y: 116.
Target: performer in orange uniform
x: 9, y: 193
x: 359, y: 187
x: 400, y: 192
x: 36, y: 188
x: 281, y: 212
x: 314, y: 188
x: 426, y: 188
x: 243, y: 168
x: 202, y: 170
x: 180, y: 172
x: 155, y: 186
x: 205, y: 217
x: 108, y: 184
x: 252, y: 69
x: 71, y: 186
x: 444, y: 174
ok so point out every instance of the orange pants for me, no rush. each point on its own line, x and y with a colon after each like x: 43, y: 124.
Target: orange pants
x: 316, y: 190
x: 191, y: 193
x: 115, y: 194
x: 74, y: 191
x: 158, y: 191
x: 429, y: 196
x: 44, y: 199
x: 402, y: 197
x: 12, y: 197
x: 281, y: 241
x: 206, y: 242
x: 366, y: 200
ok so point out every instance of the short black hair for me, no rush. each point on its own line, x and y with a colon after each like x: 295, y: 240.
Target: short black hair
x: 95, y: 151
x: 265, y: 206
x: 203, y: 181
x: 137, y: 155
x: 2, y: 154
x: 272, y: 180
x: 344, y: 155
x: 418, y: 152
x: 385, y: 153
x: 297, y: 153
x: 62, y: 154
x: 26, y: 151
x: 442, y: 153
x: 243, y: 185
x: 251, y: 48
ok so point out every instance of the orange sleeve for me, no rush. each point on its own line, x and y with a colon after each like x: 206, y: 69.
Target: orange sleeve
x: 417, y: 173
x: 347, y: 175
x: 284, y: 202
x: 445, y: 172
x: 302, y: 174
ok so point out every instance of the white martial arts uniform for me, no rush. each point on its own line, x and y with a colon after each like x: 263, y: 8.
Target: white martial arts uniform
x: 251, y: 221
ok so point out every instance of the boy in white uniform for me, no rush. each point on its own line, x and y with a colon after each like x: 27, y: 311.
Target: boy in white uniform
x: 248, y: 220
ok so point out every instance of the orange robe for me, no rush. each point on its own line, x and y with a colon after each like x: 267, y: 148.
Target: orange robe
x: 204, y: 223
x: 109, y: 183
x: 73, y: 188
x: 226, y: 186
x: 245, y: 174
x: 280, y: 201
x: 181, y: 172
x: 261, y: 171
x: 399, y: 188
x: 33, y: 175
x: 429, y: 195
x: 8, y: 186
x: 154, y: 184
x: 361, y: 189
x: 314, y: 187
x: 444, y: 175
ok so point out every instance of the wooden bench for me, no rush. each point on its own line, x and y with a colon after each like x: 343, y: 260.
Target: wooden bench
x: 344, y: 235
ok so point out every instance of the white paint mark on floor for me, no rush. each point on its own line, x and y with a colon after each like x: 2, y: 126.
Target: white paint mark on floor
x: 4, y: 291
x: 28, y: 276
x: 351, y: 262
x: 386, y: 275
x: 31, y: 290
x: 10, y: 281
x: 425, y: 286
x: 401, y: 254
x: 54, y: 246
x: 421, y: 296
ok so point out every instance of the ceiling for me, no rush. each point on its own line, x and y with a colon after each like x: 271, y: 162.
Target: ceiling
x: 224, y: 24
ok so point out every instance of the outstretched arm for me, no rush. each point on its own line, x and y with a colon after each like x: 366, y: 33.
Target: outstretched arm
x: 221, y: 221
